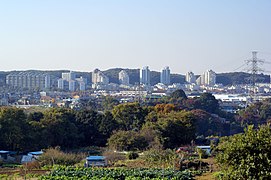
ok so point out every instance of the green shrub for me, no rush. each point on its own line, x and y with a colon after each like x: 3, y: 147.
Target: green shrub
x: 202, y: 153
x: 218, y: 175
x: 132, y: 155
x: 54, y: 156
x: 31, y: 165
x: 113, y: 157
x: 3, y: 176
x: 247, y: 155
x: 127, y: 141
x: 161, y: 158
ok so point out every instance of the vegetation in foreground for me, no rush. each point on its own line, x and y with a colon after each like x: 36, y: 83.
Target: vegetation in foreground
x: 247, y: 155
x: 154, y: 127
x: 116, y: 173
x: 170, y: 122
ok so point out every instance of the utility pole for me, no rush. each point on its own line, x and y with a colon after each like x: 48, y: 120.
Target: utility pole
x: 254, y: 69
x: 138, y: 92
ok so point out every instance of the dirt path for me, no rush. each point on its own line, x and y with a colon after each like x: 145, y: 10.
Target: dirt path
x: 208, y: 175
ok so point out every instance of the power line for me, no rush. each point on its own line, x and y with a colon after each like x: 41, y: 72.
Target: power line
x: 264, y: 52
x: 240, y: 67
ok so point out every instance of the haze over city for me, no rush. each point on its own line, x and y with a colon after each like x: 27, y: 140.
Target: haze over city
x: 82, y: 35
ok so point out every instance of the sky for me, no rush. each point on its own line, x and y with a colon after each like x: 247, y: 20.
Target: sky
x: 82, y: 35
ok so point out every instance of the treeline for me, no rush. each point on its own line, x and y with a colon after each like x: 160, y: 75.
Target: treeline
x: 127, y: 126
x: 167, y: 123
x: 234, y: 78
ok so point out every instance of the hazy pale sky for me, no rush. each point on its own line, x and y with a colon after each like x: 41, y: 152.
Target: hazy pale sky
x: 186, y: 35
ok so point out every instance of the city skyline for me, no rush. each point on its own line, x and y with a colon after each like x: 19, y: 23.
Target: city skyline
x: 184, y: 35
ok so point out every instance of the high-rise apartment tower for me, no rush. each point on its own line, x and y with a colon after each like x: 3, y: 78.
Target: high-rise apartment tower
x: 145, y: 76
x: 165, y: 76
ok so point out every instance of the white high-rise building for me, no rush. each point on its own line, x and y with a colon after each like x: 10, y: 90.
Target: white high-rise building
x: 207, y: 78
x: 199, y: 80
x: 69, y: 76
x: 165, y: 76
x: 68, y: 81
x: 95, y: 76
x: 82, y: 85
x: 210, y: 77
x: 123, y: 78
x: 98, y: 78
x: 190, y: 77
x: 145, y: 76
x: 72, y: 85
x: 61, y: 83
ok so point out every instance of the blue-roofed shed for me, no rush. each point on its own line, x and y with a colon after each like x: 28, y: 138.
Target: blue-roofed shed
x: 4, y: 152
x: 6, y: 155
x: 207, y: 149
x: 35, y: 153
x: 96, y: 161
x: 95, y: 158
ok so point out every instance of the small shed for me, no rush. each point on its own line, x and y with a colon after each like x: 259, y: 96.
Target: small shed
x: 31, y: 156
x: 7, y: 155
x: 207, y: 149
x: 96, y: 161
x: 4, y: 154
x: 35, y: 154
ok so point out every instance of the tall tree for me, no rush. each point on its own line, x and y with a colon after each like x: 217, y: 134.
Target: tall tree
x: 256, y: 114
x: 130, y: 116
x: 127, y: 141
x: 177, y: 128
x: 88, y: 123
x: 208, y: 125
x: 108, y: 103
x: 106, y: 126
x: 13, y: 126
x: 208, y: 103
x: 178, y: 94
x: 165, y: 108
x: 60, y: 128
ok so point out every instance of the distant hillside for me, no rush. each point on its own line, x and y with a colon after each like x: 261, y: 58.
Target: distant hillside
x: 113, y: 75
x: 231, y: 78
